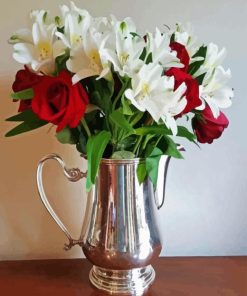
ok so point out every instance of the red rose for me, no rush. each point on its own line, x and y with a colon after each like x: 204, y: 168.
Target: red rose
x: 58, y: 101
x: 182, y: 54
x: 25, y: 79
x: 209, y: 128
x: 192, y: 91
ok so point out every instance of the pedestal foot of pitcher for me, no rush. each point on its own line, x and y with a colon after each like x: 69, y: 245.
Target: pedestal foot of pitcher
x: 131, y: 282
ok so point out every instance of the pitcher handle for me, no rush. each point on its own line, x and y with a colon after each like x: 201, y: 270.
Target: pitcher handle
x: 160, y: 205
x: 73, y: 175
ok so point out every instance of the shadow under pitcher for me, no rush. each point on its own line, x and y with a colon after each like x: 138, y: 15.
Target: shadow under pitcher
x: 119, y: 236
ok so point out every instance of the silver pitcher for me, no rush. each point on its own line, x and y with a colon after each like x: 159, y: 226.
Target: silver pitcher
x: 120, y: 235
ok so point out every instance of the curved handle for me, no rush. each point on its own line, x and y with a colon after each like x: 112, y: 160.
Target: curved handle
x: 160, y: 205
x: 72, y: 175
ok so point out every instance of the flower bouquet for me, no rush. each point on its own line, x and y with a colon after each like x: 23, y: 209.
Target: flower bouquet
x: 115, y: 93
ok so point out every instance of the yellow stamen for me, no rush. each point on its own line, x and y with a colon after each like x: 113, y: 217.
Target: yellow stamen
x: 145, y: 91
x: 76, y: 39
x: 45, y: 50
x: 95, y: 58
x: 124, y: 58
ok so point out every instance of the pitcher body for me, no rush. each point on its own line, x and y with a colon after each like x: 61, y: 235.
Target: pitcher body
x: 122, y: 232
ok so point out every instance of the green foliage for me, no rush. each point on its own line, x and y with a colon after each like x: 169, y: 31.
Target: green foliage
x: 163, y: 130
x: 30, y: 122
x: 152, y: 164
x: 118, y: 120
x: 149, y: 58
x: 68, y: 136
x: 134, y: 34
x: 183, y: 132
x: 152, y: 130
x: 25, y: 94
x: 81, y: 140
x: 26, y: 115
x: 126, y: 106
x: 173, y: 37
x: 101, y: 92
x: 200, y: 78
x: 143, y: 54
x: 169, y: 147
x: 141, y: 172
x: 197, y: 64
x: 96, y: 146
x: 60, y: 62
x: 25, y: 127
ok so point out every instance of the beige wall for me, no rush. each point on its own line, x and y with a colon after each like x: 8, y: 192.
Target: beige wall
x: 205, y: 213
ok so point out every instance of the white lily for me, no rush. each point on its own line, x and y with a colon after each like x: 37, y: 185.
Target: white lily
x: 126, y: 27
x: 124, y: 55
x: 215, y: 92
x: 155, y: 94
x: 41, y: 17
x: 159, y: 47
x: 213, y: 59
x: 184, y: 35
x: 86, y: 60
x: 25, y: 35
x: 76, y: 25
x: 38, y: 48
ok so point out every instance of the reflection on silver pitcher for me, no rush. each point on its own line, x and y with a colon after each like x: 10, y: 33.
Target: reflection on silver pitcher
x: 120, y: 235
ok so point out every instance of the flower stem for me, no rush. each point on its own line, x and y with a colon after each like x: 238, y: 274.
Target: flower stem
x: 119, y: 95
x: 137, y: 144
x: 83, y: 121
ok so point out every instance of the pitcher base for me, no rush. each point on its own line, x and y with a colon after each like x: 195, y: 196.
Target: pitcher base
x: 133, y: 281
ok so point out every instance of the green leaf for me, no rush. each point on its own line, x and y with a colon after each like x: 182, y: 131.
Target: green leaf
x: 60, y: 29
x: 200, y: 78
x: 152, y: 164
x: 169, y: 147
x: 136, y: 117
x: 123, y: 155
x: 82, y: 141
x: 196, y: 65
x: 60, y: 62
x: 153, y: 129
x: 118, y: 119
x: 68, y: 136
x: 27, y: 115
x: 101, y: 92
x: 172, y: 38
x: 146, y: 140
x: 96, y: 146
x: 126, y: 143
x: 143, y: 54
x: 25, y: 127
x: 126, y: 106
x: 134, y: 34
x: 25, y: 94
x: 185, y: 133
x: 31, y: 121
x: 149, y: 58
x: 163, y: 130
x: 141, y: 172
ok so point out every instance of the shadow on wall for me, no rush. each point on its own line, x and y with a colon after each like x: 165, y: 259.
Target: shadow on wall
x: 26, y: 229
